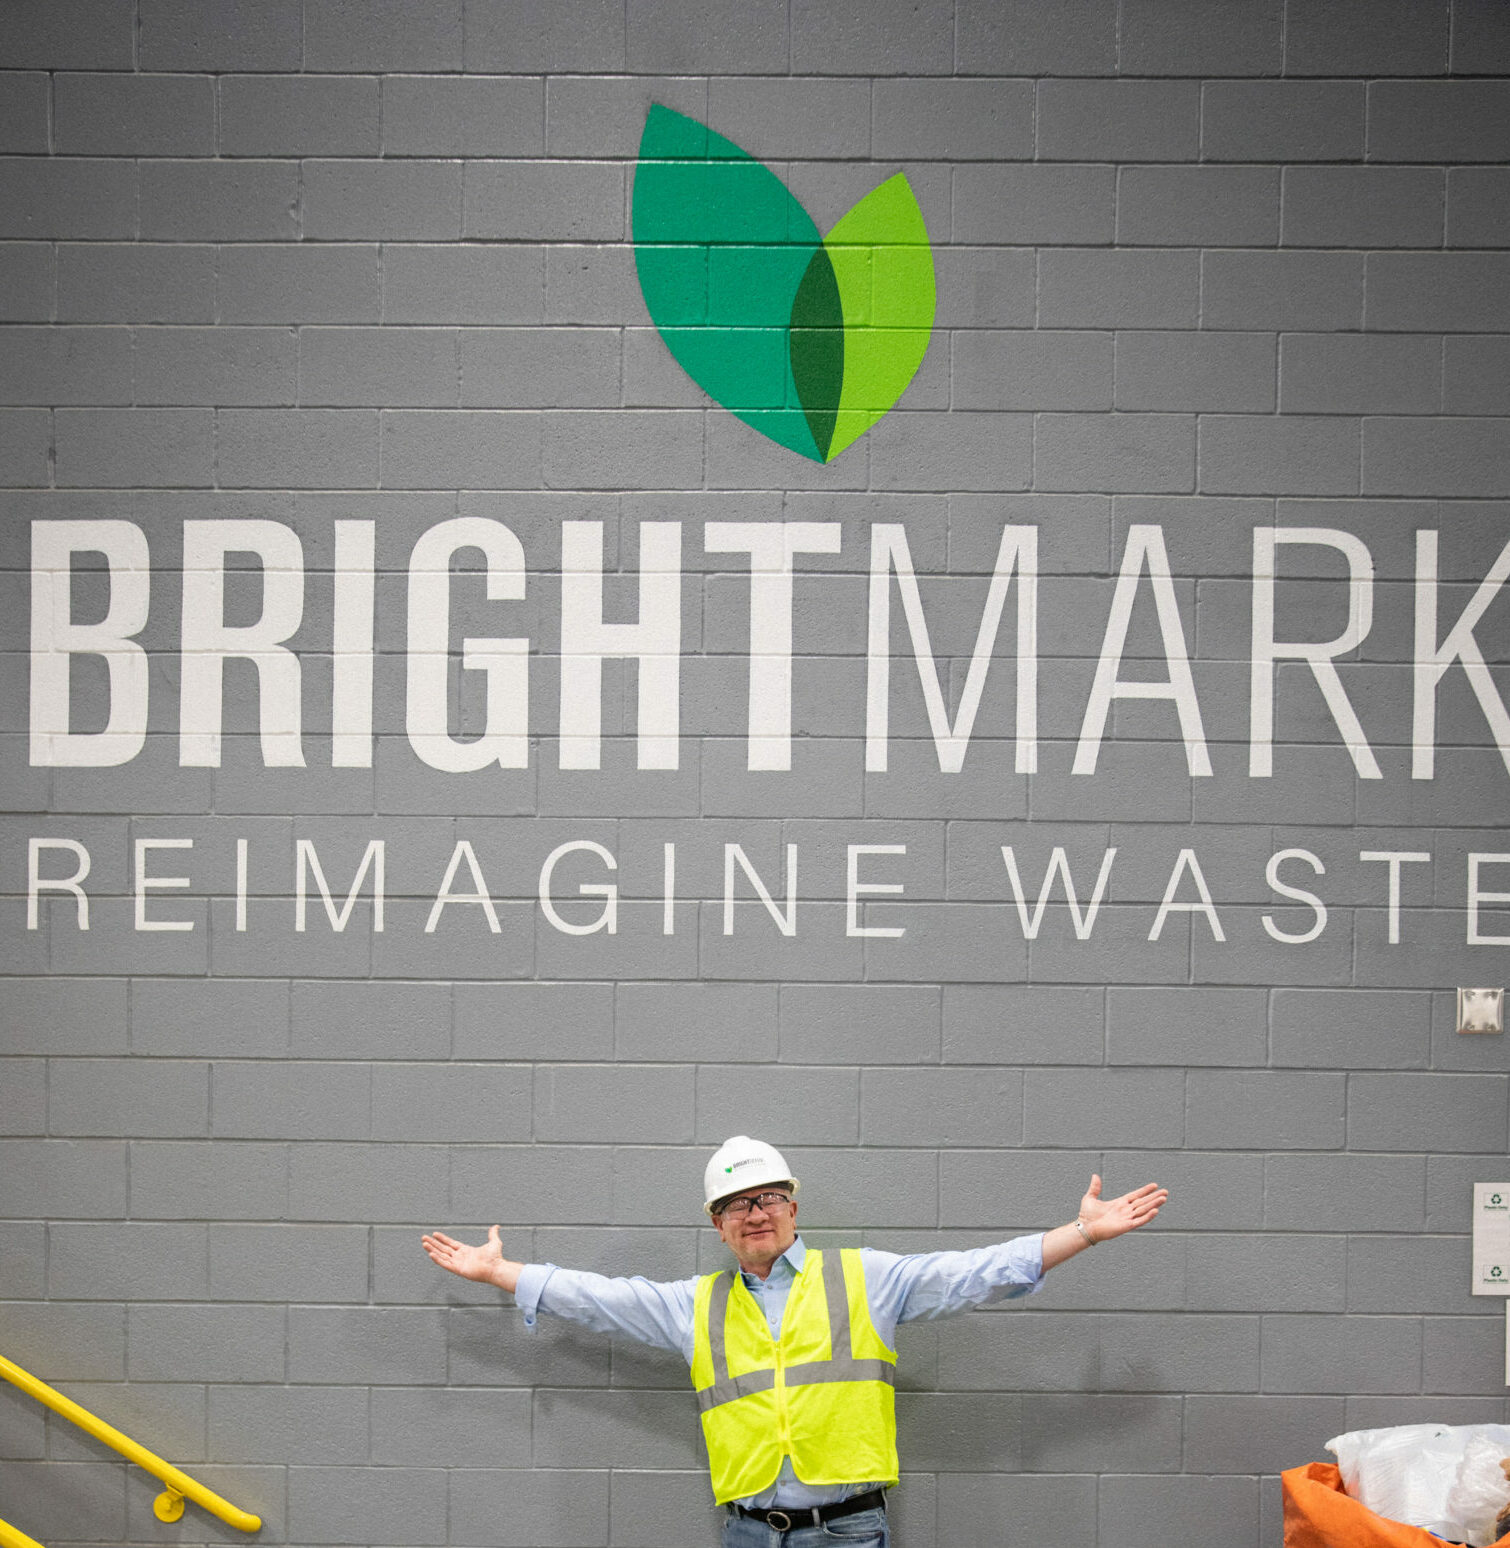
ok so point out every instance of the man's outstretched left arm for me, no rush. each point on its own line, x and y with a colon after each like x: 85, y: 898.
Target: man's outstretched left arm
x: 1101, y: 1219
x: 941, y: 1284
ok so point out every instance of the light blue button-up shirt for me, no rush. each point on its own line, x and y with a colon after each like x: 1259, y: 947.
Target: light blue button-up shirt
x: 900, y: 1288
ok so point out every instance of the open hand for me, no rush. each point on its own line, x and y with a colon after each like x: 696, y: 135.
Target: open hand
x: 1106, y: 1218
x: 486, y: 1263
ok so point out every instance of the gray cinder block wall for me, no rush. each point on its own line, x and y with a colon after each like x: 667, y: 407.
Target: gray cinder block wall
x: 352, y: 271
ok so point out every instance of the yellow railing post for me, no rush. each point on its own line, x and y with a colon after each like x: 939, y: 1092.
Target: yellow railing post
x: 178, y: 1486
x: 11, y: 1537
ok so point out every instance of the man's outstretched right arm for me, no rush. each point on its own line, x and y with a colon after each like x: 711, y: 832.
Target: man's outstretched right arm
x: 486, y: 1264
x: 654, y: 1312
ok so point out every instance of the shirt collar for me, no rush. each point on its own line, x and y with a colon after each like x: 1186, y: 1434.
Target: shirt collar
x: 792, y: 1260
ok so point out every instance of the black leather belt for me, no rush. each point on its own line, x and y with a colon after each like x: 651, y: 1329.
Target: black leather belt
x: 792, y: 1517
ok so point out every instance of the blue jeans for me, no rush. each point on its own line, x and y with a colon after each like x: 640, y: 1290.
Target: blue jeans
x: 864, y: 1529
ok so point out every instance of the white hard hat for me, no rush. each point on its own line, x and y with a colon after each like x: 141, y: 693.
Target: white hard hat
x: 741, y: 1163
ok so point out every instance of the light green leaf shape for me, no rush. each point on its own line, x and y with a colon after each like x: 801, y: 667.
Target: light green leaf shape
x: 883, y: 263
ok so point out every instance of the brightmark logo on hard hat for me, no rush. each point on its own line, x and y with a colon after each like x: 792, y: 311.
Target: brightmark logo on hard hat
x: 754, y: 1161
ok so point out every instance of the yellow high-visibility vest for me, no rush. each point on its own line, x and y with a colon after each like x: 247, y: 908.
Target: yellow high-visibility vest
x: 822, y: 1394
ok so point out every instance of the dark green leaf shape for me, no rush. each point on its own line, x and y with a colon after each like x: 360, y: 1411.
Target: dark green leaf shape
x: 723, y: 251
x: 817, y: 346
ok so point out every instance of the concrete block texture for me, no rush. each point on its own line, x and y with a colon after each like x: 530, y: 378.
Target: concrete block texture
x: 125, y: 115
x: 206, y: 1343
x: 27, y: 292
x: 149, y: 1262
x: 558, y: 1506
x: 1189, y: 1027
x: 1214, y: 1354
x: 580, y: 36
x: 219, y: 201
x: 1118, y: 289
x: 368, y: 201
x: 659, y: 37
x: 251, y: 35
x: 1438, y: 120
x: 1460, y: 456
x: 326, y: 448
x: 1282, y: 290
x: 272, y: 1262
x: 78, y: 35
x: 1032, y: 203
x: 969, y: 1504
x: 1473, y: 381
x: 1259, y: 1110
x: 952, y: 120
x: 307, y: 1425
x: 317, y: 283
x: 453, y: 116
x: 1401, y: 40
x: 356, y: 1505
x: 87, y: 366
x: 1198, y: 206
x: 1475, y: 208
x: 92, y: 1497
x: 1293, y: 454
x: 371, y: 1345
x: 1362, y: 207
x: 1449, y: 292
x: 339, y: 35
x: 1118, y: 120
x: 853, y: 39
x: 1341, y: 1355
x: 1482, y: 39
x: 84, y: 198
x: 23, y: 113
x: 1153, y: 1510
x: 1072, y: 37
x: 1286, y: 121
x: 1363, y: 374
x: 1195, y: 371
x: 23, y: 1108
x: 273, y: 115
x: 1206, y: 272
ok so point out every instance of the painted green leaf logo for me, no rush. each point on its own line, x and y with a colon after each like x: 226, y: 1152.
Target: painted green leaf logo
x: 809, y: 339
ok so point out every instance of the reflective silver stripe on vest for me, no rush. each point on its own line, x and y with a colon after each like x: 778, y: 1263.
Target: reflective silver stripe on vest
x: 726, y: 1388
x: 840, y: 1343
x: 737, y: 1387
x: 848, y: 1370
x: 842, y: 1366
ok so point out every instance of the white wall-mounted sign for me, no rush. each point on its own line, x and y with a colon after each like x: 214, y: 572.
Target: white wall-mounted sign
x: 1491, y: 1238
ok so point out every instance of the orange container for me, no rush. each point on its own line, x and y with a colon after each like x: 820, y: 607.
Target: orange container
x: 1319, y: 1515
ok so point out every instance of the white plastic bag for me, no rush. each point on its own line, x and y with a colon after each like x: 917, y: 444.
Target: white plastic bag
x: 1480, y: 1491
x: 1403, y: 1473
x: 1411, y: 1473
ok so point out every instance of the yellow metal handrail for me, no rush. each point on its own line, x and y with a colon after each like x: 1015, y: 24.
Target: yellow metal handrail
x: 12, y: 1537
x: 169, y: 1505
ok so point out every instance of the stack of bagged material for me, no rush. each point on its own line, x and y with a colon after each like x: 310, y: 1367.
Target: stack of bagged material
x: 1405, y: 1487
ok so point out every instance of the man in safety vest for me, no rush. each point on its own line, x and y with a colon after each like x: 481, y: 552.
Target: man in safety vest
x: 793, y: 1354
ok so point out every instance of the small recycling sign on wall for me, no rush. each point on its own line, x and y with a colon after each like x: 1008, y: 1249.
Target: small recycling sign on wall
x: 1491, y: 1238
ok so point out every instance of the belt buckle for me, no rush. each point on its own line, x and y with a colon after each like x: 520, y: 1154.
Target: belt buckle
x: 778, y: 1520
